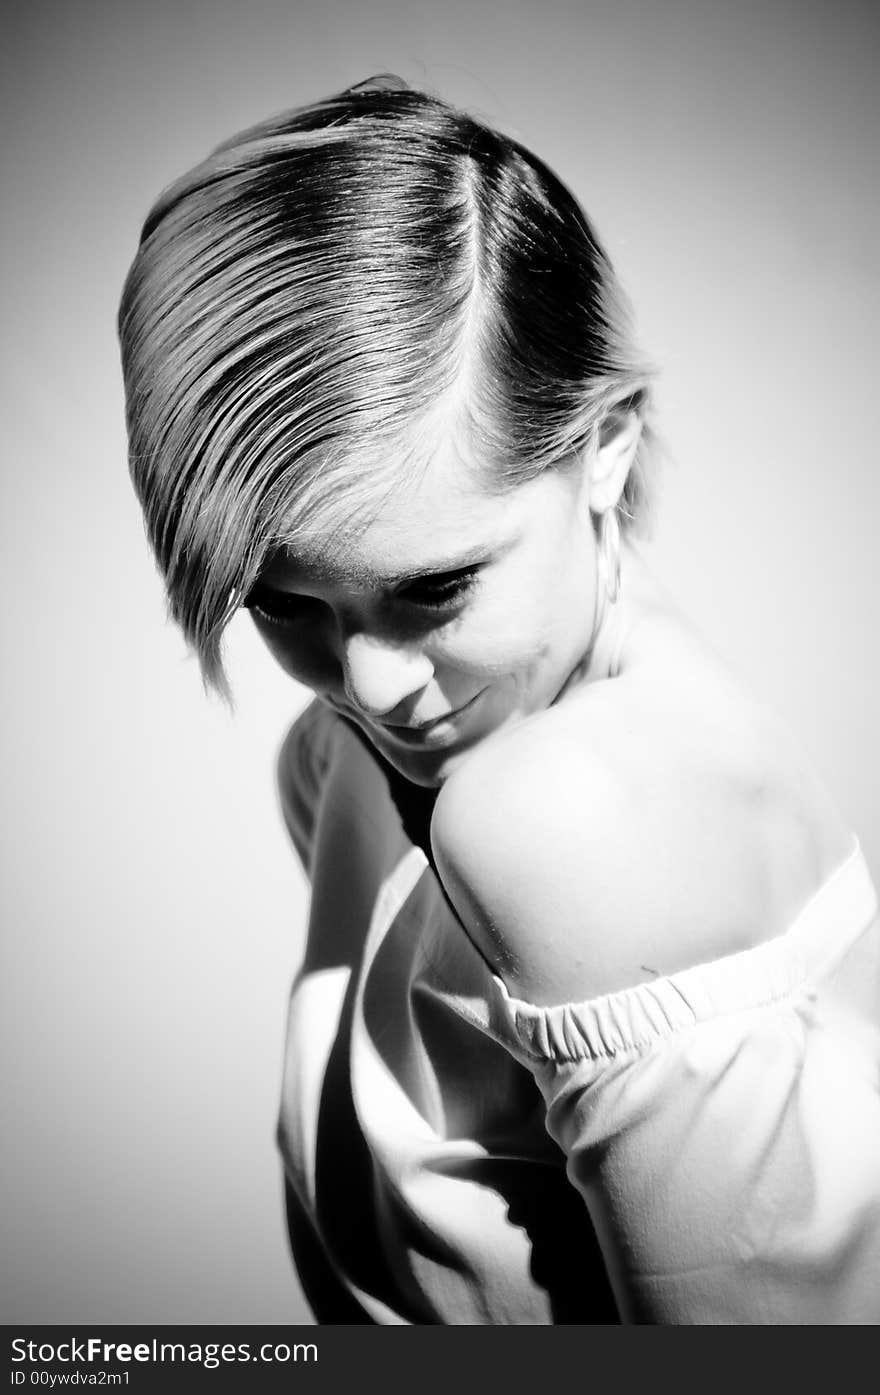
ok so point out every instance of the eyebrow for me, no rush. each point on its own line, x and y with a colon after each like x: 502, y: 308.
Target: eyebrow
x: 366, y: 576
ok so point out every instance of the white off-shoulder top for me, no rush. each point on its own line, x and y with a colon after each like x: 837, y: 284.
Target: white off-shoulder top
x: 704, y: 1148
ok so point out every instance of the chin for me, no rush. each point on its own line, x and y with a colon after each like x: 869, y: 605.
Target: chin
x: 428, y: 769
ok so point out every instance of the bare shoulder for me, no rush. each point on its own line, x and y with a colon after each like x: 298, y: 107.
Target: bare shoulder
x: 645, y: 824
x: 512, y: 832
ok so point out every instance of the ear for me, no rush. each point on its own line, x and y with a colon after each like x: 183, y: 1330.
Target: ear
x: 619, y: 434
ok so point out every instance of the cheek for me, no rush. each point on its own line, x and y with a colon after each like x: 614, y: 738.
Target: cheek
x: 302, y: 651
x: 512, y: 631
x: 554, y: 612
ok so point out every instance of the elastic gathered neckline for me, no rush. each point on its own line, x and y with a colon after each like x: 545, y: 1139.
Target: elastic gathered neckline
x: 635, y: 1018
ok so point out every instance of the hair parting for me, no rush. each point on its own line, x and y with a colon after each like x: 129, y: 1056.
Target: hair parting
x: 311, y: 302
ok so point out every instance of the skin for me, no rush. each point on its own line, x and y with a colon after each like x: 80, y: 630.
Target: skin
x: 585, y: 752
x: 612, y: 809
x: 394, y: 655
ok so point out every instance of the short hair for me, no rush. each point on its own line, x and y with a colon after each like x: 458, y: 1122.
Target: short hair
x: 302, y: 300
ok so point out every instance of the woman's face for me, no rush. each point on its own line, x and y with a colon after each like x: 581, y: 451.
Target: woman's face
x: 456, y: 612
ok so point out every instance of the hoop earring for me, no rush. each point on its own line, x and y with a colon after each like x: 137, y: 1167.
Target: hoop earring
x: 608, y: 562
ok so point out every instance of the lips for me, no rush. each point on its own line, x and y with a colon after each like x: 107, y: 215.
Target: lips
x: 416, y: 728
x: 419, y: 728
x: 433, y: 733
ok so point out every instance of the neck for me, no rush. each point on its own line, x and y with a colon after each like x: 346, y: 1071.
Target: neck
x: 639, y: 595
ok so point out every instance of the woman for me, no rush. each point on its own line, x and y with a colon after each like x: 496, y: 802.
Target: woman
x: 587, y: 1025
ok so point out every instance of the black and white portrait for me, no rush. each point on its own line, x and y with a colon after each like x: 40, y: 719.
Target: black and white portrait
x: 441, y: 819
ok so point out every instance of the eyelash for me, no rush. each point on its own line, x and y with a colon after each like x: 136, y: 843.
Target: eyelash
x: 436, y: 595
x: 442, y: 595
x: 274, y: 617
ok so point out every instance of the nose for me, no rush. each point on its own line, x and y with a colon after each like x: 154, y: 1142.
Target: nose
x: 379, y: 675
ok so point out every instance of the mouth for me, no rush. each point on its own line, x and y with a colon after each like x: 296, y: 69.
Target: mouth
x: 436, y: 729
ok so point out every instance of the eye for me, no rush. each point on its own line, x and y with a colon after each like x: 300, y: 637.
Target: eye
x: 278, y: 607
x: 442, y: 591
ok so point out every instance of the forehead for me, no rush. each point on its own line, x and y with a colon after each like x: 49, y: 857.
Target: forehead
x: 442, y: 516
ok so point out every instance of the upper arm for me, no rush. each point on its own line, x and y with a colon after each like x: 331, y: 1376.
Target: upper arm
x: 530, y: 840
x: 300, y: 773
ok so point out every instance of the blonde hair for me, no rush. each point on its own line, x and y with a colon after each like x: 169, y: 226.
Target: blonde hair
x: 302, y: 301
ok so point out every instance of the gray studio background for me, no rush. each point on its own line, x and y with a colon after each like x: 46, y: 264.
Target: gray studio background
x: 152, y: 910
